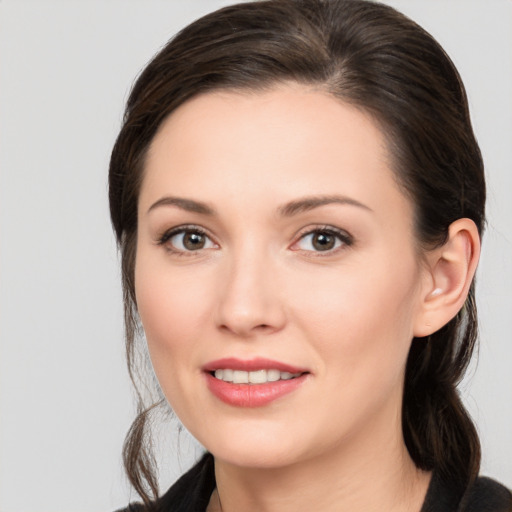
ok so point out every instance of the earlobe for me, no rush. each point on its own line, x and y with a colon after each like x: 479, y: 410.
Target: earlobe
x: 450, y: 269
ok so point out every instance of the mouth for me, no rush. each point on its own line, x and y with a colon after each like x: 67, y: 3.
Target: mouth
x: 253, y: 383
x: 253, y: 377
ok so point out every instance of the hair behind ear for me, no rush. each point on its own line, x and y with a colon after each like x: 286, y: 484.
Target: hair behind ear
x: 438, y: 431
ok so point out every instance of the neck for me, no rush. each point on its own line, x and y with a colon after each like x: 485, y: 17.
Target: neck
x: 371, y: 472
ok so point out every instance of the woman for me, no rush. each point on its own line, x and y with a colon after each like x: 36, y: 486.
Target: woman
x: 299, y: 200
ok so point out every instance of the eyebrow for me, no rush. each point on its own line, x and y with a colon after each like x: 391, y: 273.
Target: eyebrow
x: 287, y: 210
x: 185, y: 204
x: 309, y: 203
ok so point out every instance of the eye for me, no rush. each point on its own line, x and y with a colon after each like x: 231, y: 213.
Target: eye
x: 186, y: 240
x: 323, y: 240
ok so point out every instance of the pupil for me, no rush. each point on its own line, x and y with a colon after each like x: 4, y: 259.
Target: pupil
x: 193, y: 241
x: 323, y: 242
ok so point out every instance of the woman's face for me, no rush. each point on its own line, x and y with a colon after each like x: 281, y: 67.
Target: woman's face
x: 274, y: 240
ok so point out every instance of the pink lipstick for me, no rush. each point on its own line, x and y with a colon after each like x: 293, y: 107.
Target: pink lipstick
x: 252, y: 383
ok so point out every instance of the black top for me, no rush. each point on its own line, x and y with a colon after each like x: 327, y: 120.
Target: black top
x: 191, y: 493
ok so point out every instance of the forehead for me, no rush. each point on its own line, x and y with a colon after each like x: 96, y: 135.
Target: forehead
x: 289, y: 141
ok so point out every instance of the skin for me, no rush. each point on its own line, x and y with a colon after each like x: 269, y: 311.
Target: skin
x: 259, y: 287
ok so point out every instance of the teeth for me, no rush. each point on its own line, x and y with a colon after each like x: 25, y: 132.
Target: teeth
x: 227, y: 375
x: 258, y: 377
x: 240, y: 377
x: 254, y: 377
x: 273, y: 375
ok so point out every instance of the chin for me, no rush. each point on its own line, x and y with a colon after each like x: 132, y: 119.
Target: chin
x: 254, y: 448
x: 255, y: 458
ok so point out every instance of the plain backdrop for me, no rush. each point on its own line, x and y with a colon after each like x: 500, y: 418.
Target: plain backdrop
x: 65, y: 70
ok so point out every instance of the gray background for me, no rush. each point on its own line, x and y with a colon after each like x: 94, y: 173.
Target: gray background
x: 65, y: 70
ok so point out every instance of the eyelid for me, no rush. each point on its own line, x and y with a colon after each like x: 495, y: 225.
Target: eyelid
x: 163, y: 238
x: 344, y: 236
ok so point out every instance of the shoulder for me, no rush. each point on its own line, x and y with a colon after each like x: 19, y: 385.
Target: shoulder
x: 134, y: 507
x: 484, y: 495
x: 191, y: 493
x: 487, y: 495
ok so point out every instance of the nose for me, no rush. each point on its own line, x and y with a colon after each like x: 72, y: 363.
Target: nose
x: 250, y: 300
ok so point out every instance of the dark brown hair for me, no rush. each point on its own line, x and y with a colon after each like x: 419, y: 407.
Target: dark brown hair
x: 368, y: 55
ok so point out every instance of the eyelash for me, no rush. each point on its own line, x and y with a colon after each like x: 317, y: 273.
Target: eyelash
x: 342, y: 236
x: 167, y: 235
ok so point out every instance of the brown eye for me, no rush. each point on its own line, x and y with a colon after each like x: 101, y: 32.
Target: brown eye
x: 193, y: 241
x: 187, y: 240
x: 323, y: 241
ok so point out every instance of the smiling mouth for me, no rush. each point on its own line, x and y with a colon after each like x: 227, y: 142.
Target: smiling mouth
x: 253, y: 377
x: 254, y: 382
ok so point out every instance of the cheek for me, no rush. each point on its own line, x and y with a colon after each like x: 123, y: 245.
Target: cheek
x: 361, y: 319
x: 173, y: 309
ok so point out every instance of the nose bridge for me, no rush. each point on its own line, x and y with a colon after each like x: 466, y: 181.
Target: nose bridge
x: 249, y: 301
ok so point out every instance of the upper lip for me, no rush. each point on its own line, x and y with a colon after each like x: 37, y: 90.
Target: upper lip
x: 251, y: 365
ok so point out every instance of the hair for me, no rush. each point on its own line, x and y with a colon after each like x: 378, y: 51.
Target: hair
x: 372, y: 57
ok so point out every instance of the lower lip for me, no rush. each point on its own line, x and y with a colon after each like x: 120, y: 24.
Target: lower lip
x: 252, y: 395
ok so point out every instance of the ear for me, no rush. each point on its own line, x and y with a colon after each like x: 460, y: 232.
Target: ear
x: 448, y: 275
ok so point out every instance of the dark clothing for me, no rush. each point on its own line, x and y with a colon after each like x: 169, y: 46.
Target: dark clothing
x: 485, y: 495
x: 191, y: 493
